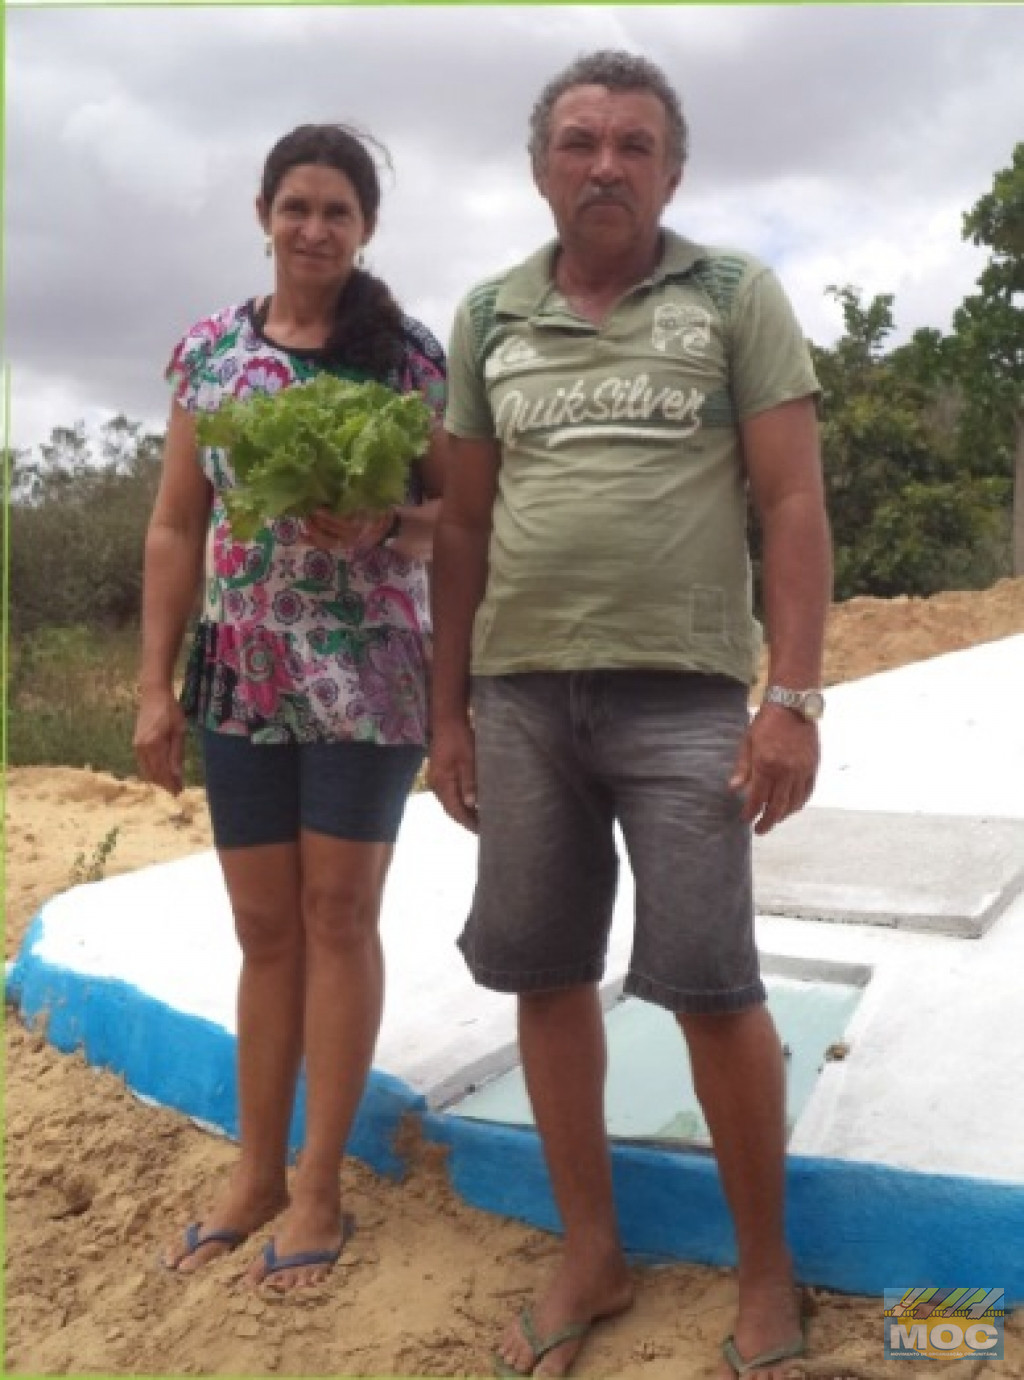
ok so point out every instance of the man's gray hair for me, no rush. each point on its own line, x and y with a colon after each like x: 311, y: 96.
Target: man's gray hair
x: 618, y: 71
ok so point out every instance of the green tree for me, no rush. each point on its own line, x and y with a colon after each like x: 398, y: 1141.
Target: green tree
x: 127, y: 449
x: 906, y: 518
x: 989, y: 332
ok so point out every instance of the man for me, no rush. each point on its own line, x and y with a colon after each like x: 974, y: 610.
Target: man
x: 612, y: 400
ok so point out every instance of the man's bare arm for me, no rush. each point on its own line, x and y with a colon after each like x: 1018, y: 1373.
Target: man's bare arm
x: 779, y: 760
x: 459, y: 578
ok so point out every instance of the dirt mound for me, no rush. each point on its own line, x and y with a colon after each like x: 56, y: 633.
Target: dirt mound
x: 869, y: 635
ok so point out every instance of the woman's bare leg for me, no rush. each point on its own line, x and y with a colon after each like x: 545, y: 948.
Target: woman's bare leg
x: 264, y: 888
x: 342, y: 886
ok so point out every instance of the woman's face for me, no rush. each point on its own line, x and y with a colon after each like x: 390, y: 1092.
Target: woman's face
x: 316, y: 225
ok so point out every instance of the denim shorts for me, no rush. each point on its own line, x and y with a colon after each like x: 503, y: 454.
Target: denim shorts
x: 561, y: 758
x: 262, y: 793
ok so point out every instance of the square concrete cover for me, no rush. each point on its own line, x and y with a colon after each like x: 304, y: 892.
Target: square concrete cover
x: 941, y: 874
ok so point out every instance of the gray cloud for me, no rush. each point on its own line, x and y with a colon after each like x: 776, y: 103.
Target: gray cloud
x: 843, y: 144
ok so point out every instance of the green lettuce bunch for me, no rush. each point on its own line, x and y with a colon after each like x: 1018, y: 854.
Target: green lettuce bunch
x: 330, y: 443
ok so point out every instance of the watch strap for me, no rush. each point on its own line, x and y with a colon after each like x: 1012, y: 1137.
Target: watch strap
x: 809, y: 704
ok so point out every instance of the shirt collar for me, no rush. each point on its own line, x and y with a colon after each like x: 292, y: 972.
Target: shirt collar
x: 526, y: 286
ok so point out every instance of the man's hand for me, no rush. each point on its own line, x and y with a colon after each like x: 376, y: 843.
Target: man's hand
x: 160, y: 739
x: 776, y: 767
x: 451, y: 772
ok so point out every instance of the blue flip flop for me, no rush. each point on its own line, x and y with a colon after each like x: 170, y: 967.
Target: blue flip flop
x: 274, y: 1263
x: 196, y: 1238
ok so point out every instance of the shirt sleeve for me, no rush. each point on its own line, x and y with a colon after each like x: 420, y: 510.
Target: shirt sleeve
x: 468, y: 414
x: 770, y: 361
x: 189, y: 358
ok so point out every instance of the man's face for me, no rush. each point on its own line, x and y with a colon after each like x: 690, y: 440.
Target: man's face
x: 607, y: 173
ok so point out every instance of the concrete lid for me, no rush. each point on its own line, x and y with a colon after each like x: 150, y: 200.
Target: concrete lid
x: 939, y: 874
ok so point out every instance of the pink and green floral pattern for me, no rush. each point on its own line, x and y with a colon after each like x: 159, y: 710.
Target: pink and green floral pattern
x: 296, y: 644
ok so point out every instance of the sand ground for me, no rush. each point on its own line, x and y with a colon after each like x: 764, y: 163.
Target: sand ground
x: 96, y: 1180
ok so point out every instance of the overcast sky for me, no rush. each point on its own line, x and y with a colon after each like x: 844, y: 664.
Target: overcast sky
x: 842, y: 144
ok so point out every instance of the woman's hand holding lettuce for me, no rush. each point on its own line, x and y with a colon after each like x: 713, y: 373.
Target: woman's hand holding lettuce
x: 329, y: 444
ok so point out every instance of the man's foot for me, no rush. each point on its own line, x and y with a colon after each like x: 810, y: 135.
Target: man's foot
x: 235, y: 1216
x: 575, y: 1299
x: 305, y: 1247
x: 769, y: 1325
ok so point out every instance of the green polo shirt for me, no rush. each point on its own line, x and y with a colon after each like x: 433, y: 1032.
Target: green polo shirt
x: 619, y: 536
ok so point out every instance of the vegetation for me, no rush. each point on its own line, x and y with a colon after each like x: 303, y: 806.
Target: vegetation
x: 77, y: 523
x: 93, y: 868
x: 907, y: 516
x: 71, y: 700
x: 331, y: 444
x: 923, y: 449
x: 988, y: 353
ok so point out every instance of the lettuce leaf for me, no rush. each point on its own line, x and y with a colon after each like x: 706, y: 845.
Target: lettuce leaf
x: 330, y: 443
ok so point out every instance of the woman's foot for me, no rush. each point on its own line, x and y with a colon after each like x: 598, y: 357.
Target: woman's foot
x: 236, y: 1214
x: 313, y: 1231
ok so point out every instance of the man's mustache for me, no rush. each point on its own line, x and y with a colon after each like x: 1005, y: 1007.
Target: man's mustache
x: 605, y: 199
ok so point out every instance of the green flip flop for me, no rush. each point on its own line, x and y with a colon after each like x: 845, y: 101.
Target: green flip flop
x: 540, y: 1346
x: 764, y: 1359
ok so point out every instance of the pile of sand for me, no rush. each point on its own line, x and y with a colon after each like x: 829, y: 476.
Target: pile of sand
x: 96, y: 1181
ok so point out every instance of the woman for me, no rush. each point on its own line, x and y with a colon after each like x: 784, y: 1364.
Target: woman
x: 307, y: 684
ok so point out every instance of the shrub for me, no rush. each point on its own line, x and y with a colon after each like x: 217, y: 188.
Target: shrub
x: 72, y: 701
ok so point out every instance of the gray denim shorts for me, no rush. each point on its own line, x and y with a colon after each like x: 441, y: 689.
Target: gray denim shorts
x: 562, y: 757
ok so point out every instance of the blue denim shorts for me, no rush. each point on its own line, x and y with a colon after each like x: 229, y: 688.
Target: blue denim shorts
x: 262, y: 793
x: 562, y: 758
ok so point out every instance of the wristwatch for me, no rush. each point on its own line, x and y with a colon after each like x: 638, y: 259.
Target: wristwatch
x: 394, y: 527
x: 809, y: 704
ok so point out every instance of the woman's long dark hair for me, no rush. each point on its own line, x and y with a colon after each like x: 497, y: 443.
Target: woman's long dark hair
x: 367, y: 330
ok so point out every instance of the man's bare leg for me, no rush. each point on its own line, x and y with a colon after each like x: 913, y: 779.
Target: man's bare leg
x: 562, y: 1044
x: 739, y: 1077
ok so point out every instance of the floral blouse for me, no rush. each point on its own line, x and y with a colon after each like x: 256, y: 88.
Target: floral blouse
x: 296, y: 644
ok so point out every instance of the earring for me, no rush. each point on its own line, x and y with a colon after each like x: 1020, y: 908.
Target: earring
x: 268, y: 248
x: 360, y: 259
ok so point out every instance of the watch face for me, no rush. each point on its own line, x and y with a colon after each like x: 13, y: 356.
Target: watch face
x: 813, y: 705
